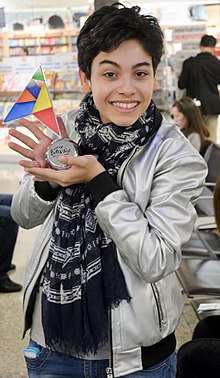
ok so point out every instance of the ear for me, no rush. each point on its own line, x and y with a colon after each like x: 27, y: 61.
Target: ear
x: 155, y: 85
x: 85, y: 83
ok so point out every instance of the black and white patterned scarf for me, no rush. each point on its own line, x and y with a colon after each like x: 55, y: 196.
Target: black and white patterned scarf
x: 82, y: 278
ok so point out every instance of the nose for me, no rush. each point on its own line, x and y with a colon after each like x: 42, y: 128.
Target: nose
x: 126, y: 86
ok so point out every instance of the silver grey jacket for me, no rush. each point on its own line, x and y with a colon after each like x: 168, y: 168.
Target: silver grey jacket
x: 150, y: 218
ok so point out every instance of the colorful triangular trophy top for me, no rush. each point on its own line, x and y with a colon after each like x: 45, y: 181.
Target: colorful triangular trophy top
x: 35, y: 99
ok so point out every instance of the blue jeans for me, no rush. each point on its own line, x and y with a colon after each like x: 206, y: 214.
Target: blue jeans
x: 56, y: 365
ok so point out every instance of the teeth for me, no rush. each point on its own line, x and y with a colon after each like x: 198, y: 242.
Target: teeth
x: 125, y: 105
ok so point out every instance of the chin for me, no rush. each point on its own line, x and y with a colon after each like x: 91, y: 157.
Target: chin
x: 125, y: 123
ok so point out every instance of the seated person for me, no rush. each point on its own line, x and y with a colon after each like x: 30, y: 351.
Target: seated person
x: 188, y: 118
x: 8, y: 237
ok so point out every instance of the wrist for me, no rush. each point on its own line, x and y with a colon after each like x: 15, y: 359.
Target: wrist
x: 95, y: 172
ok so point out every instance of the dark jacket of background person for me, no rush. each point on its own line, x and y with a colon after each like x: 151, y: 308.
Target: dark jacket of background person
x: 200, y: 77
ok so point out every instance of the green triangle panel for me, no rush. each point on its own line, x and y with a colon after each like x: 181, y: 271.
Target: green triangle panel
x: 19, y: 110
x: 38, y: 75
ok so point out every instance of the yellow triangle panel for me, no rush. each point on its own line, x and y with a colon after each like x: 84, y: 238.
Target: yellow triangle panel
x: 43, y: 100
x: 47, y: 117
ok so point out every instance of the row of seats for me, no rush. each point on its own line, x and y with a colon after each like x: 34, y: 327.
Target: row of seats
x: 199, y: 276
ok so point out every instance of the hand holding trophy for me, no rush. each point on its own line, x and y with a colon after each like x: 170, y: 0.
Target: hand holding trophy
x: 35, y: 100
x: 61, y: 154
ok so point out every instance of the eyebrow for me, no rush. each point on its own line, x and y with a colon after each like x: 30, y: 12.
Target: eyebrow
x: 106, y: 61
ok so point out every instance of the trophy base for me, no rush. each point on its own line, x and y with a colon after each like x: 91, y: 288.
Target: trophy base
x: 61, y: 147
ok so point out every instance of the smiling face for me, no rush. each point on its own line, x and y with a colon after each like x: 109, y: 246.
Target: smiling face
x: 122, y: 83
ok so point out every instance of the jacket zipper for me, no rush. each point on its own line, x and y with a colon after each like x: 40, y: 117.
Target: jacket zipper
x: 109, y: 369
x: 158, y: 303
x: 35, y: 270
x: 33, y: 274
x: 126, y: 164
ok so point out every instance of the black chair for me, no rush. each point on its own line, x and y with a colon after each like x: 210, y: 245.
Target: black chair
x: 199, y: 271
x: 204, y: 205
x: 204, y: 241
x: 199, y: 277
x: 202, y: 312
x: 212, y: 158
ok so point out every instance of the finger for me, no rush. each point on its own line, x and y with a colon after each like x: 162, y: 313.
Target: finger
x: 62, y: 127
x: 68, y: 159
x: 46, y: 174
x: 39, y: 180
x: 28, y: 141
x: 34, y: 127
x: 21, y: 150
x: 28, y: 164
x: 25, y: 122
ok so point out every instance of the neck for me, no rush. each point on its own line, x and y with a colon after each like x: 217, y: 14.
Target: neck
x: 207, y: 49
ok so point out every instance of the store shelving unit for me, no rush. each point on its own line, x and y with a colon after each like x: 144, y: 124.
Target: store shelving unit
x: 47, y: 42
x: 3, y: 45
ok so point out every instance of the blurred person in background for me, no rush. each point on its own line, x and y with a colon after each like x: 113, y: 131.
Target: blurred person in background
x: 188, y: 118
x: 200, y: 77
x: 23, y: 51
x: 8, y: 237
x: 216, y: 201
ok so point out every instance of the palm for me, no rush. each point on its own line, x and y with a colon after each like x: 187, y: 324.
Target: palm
x: 35, y: 148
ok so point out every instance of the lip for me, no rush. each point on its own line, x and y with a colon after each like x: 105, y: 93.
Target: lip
x: 125, y: 106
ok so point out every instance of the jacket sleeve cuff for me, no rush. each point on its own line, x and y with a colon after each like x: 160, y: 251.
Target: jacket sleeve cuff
x: 44, y: 191
x: 102, y: 185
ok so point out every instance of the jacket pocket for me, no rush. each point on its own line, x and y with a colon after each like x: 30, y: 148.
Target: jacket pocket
x: 158, y: 301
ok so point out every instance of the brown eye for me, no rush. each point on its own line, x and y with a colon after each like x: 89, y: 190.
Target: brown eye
x: 141, y: 74
x: 110, y: 74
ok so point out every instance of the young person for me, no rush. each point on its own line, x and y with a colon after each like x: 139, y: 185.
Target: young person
x: 101, y: 296
x: 189, y: 119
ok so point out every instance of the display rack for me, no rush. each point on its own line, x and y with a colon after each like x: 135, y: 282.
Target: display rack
x: 49, y: 42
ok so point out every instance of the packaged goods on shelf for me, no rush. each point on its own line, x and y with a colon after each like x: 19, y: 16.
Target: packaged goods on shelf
x: 50, y: 77
x: 67, y: 80
x: 42, y: 43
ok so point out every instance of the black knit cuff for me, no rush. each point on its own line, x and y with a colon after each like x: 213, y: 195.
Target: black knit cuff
x: 45, y: 191
x: 101, y: 186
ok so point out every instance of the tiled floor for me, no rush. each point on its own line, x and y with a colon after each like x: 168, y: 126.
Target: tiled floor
x: 11, y: 321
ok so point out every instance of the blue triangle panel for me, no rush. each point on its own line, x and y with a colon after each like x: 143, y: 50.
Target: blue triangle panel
x: 33, y: 88
x: 19, y: 110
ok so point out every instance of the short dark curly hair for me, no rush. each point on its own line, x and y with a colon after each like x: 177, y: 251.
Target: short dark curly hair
x: 208, y: 41
x: 109, y: 26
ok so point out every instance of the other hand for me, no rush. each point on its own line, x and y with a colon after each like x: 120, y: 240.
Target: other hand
x: 83, y: 169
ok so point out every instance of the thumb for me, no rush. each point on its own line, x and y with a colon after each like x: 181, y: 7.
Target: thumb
x: 62, y: 127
